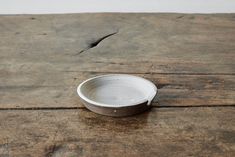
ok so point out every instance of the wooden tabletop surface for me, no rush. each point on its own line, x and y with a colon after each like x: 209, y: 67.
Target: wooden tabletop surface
x: 190, y: 58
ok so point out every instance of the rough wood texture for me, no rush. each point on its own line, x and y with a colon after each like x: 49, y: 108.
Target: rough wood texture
x: 191, y: 58
x: 22, y: 90
x: 159, y: 132
x: 160, y: 43
x: 43, y: 58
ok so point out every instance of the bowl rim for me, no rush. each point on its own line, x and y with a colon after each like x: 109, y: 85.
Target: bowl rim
x: 99, y: 104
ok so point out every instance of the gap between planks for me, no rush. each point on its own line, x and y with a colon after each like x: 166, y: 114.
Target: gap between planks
x: 109, y: 72
x: 82, y: 108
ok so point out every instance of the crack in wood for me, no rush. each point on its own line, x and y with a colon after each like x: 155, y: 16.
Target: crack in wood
x: 197, y: 106
x: 25, y: 87
x: 159, y: 86
x: 96, y: 42
x: 41, y: 108
x: 179, y: 17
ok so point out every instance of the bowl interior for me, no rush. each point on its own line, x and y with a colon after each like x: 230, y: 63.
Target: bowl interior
x: 117, y: 90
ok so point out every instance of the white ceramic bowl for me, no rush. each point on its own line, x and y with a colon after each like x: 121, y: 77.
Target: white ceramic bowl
x: 117, y: 94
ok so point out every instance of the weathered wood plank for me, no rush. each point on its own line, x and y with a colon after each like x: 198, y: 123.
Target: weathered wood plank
x: 160, y: 43
x: 40, y: 64
x: 58, y: 89
x: 190, y: 57
x: 159, y: 132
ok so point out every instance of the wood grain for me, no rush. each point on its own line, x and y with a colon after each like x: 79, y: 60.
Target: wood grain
x: 190, y: 57
x: 191, y: 44
x: 159, y: 132
x: 52, y: 90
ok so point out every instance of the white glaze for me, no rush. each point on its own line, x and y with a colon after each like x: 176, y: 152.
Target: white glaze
x: 117, y: 90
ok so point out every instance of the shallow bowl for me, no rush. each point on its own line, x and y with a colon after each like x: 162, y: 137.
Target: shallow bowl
x: 117, y: 94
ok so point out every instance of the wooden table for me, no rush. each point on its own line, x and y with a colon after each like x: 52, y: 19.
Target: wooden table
x: 190, y: 57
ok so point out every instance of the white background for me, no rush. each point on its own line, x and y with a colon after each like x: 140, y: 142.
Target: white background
x: 77, y: 6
